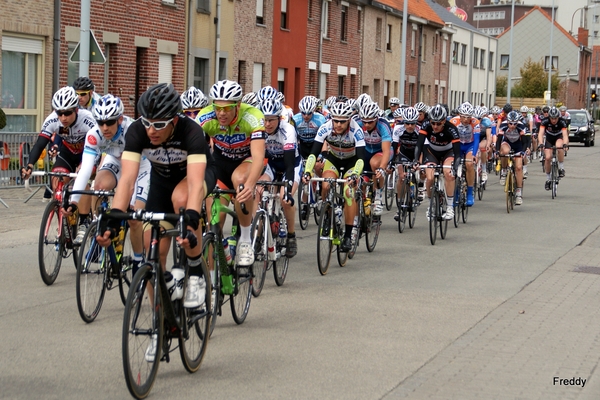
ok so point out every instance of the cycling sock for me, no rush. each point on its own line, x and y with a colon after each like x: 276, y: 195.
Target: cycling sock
x: 245, y: 234
x: 548, y: 177
x: 194, y: 265
x: 138, y: 257
x: 450, y: 201
x: 348, y: 233
x: 518, y: 191
x: 291, y: 235
x: 561, y: 165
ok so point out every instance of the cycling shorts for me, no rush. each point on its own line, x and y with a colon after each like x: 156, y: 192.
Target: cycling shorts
x: 336, y: 165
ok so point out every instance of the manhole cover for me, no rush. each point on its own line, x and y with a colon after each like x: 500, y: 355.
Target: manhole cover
x: 587, y: 269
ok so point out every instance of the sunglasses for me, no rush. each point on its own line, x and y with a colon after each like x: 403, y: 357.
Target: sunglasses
x: 191, y: 113
x: 306, y: 113
x: 436, y: 123
x: 108, y: 122
x: 225, y: 108
x: 81, y: 94
x: 339, y: 121
x: 368, y: 121
x: 158, y: 125
x: 410, y: 123
x: 512, y: 123
x: 66, y: 113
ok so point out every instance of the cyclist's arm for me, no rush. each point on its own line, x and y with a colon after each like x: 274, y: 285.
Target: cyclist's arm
x: 420, y: 144
x: 88, y: 161
x: 38, y: 147
x: 476, y: 138
x: 541, y: 135
x: 565, y: 135
x: 196, y: 168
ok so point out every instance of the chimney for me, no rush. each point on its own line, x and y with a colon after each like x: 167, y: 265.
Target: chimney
x: 582, y: 36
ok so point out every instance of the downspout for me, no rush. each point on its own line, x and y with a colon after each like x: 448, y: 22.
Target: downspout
x: 470, y: 75
x: 487, y: 76
x: 320, y: 52
x: 217, y: 40
x: 56, y: 48
x: 188, y: 47
x: 403, y: 53
x: 419, y: 62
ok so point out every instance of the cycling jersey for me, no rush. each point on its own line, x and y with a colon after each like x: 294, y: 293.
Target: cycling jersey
x: 407, y: 141
x: 341, y: 146
x: 308, y: 130
x: 277, y: 145
x: 93, y: 100
x: 511, y: 134
x: 484, y: 124
x: 553, y: 129
x: 374, y: 139
x: 439, y: 141
x: 466, y: 133
x: 525, y: 119
x: 233, y: 142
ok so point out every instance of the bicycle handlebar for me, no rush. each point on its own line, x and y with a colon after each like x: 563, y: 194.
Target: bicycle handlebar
x: 50, y: 173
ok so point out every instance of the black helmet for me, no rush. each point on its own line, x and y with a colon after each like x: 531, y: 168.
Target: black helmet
x: 83, y: 83
x: 553, y: 112
x: 513, y: 116
x: 545, y: 109
x: 507, y: 108
x: 161, y: 101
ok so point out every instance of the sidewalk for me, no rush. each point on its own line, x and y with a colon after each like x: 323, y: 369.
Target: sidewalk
x: 551, y: 328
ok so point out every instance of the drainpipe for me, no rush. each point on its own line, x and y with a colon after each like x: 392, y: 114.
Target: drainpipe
x: 419, y: 63
x: 188, y: 67
x: 56, y: 48
x: 217, y: 40
x: 470, y: 78
x: 320, y: 53
x: 403, y: 53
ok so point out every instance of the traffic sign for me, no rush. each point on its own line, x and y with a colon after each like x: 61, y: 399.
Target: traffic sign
x: 96, y: 55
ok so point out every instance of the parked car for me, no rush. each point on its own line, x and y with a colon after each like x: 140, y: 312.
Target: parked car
x: 582, y: 129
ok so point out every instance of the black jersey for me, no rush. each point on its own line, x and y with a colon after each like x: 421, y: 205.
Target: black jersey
x: 553, y: 129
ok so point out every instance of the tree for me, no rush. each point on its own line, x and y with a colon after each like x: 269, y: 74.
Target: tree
x: 534, y: 81
x: 501, y: 86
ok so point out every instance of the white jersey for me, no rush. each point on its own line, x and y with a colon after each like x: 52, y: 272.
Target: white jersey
x: 283, y: 139
x: 341, y: 146
x: 72, y: 136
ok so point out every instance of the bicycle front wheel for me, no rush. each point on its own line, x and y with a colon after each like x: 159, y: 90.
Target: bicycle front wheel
x: 126, y: 266
x: 142, y: 331
x: 280, y: 268
x: 457, y: 201
x: 443, y: 221
x: 389, y: 190
x: 509, y: 193
x: 404, y: 195
x: 303, y: 205
x: 554, y: 179
x: 434, y: 208
x: 210, y: 259
x: 324, y: 238
x: 259, y: 243
x: 50, y: 243
x: 240, y: 299
x: 92, y: 275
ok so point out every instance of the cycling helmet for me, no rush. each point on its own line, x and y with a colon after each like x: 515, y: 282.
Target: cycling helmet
x: 161, y: 101
x: 251, y: 99
x: 513, y: 116
x: 340, y: 110
x: 394, y: 101
x: 545, y: 109
x: 319, y: 103
x: 83, y: 83
x: 268, y: 92
x: 65, y: 99
x: 369, y: 111
x: 507, y: 108
x: 480, y: 112
x: 108, y: 108
x: 410, y: 114
x: 495, y: 110
x: 226, y: 90
x: 562, y: 108
x: 361, y: 101
x: 466, y: 109
x: 307, y: 105
x: 421, y: 107
x: 271, y: 107
x: 399, y: 113
x: 330, y: 101
x: 341, y: 98
x: 553, y: 112
x: 438, y: 113
x: 279, y: 96
x: 524, y: 109
x: 193, y: 98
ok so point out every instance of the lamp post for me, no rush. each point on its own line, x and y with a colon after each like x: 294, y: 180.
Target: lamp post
x: 550, y: 60
x: 510, y: 52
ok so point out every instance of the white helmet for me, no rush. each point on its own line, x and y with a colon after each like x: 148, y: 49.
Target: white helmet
x: 421, y: 107
x: 331, y: 100
x: 226, y: 90
x: 251, y: 99
x: 341, y: 110
x: 307, y: 105
x: 193, y: 98
x: 466, y: 109
x: 394, y: 101
x: 409, y: 114
x: 271, y: 107
x: 268, y: 92
x: 65, y: 99
x: 369, y: 111
x: 361, y: 101
x: 479, y: 112
x: 524, y: 109
x: 108, y: 108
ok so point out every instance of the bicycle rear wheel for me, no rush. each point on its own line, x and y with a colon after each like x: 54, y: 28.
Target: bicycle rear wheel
x: 390, y: 181
x: 240, y: 299
x: 193, y: 338
x: 341, y: 256
x: 280, y: 268
x: 50, y: 243
x: 259, y: 243
x: 443, y: 221
x: 457, y: 200
x: 142, y: 323
x: 404, y: 196
x: 91, y: 279
x: 211, y: 260
x: 434, y: 208
x: 554, y: 179
x: 372, y: 234
x: 325, y: 238
x: 303, y: 205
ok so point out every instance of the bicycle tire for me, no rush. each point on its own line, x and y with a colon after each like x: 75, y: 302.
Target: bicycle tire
x: 513, y: 190
x: 211, y: 260
x: 50, y: 243
x: 465, y: 213
x: 261, y: 258
x: 280, y: 268
x: 324, y: 242
x: 192, y: 347
x: 433, y: 216
x: 412, y: 207
x: 554, y: 180
x: 404, y: 195
x: 508, y: 190
x: 361, y: 224
x: 92, y: 274
x: 457, y: 200
x: 389, y: 190
x: 443, y: 221
x: 240, y: 299
x: 301, y: 205
x: 125, y: 266
x: 372, y: 234
x: 480, y: 188
x: 142, y: 320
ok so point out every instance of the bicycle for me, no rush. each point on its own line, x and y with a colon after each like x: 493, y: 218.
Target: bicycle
x: 460, y: 194
x: 480, y: 185
x: 390, y: 188
x: 406, y: 199
x: 98, y: 267
x: 331, y: 225
x: 269, y: 228
x: 438, y: 203
x: 312, y: 204
x: 231, y: 282
x: 510, y: 186
x: 369, y: 224
x: 152, y: 317
x: 554, y: 173
x: 57, y: 230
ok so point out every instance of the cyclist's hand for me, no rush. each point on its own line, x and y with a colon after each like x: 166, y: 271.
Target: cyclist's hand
x: 108, y: 228
x: 53, y: 152
x: 189, y: 242
x: 245, y: 194
x: 379, y: 172
x: 26, y: 171
x: 104, y: 240
x: 353, y: 180
x: 71, y: 209
x: 306, y: 178
x: 416, y: 164
x: 456, y: 166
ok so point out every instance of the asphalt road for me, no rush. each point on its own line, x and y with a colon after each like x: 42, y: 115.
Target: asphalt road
x: 357, y: 333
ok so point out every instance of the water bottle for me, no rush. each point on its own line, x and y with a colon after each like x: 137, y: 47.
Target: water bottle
x: 282, y: 230
x: 412, y: 190
x: 178, y: 277
x: 227, y: 250
x: 232, y: 241
x: 338, y: 215
x: 170, y: 284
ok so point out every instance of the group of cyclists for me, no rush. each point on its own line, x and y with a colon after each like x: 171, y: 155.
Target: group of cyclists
x: 182, y: 146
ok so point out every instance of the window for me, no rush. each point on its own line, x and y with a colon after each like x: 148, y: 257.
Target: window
x: 322, y: 85
x: 344, y: 27
x: 359, y: 19
x: 325, y: 20
x: 463, y: 54
x: 257, y: 75
x: 400, y: 32
x: 222, y: 68
x: 554, y: 63
x: 203, y: 6
x: 413, y: 39
x: 241, y: 74
x: 281, y: 80
x: 21, y: 83
x: 475, y: 57
x: 482, y: 59
x: 310, y: 9
x: 455, y: 53
x: 201, y: 69
x: 388, y: 38
x: 491, y: 61
x: 165, y: 68
x: 378, y: 34
x: 434, y: 44
x: 341, y: 81
x: 260, y: 12
x: 504, y: 60
x: 376, y: 88
x: 284, y: 19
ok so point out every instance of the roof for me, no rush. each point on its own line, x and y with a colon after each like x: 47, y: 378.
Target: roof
x: 544, y: 13
x: 449, y: 17
x: 417, y: 8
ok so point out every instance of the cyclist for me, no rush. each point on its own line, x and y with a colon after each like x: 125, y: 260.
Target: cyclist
x: 527, y: 120
x: 485, y: 138
x: 394, y: 105
x: 537, y: 121
x: 422, y: 122
x: 108, y: 142
x: 554, y: 130
x: 283, y: 160
x: 468, y: 131
x: 564, y: 114
x: 70, y: 124
x: 192, y: 101
x: 346, y: 151
x: 378, y: 144
x: 510, y: 137
x: 405, y: 137
x: 84, y: 87
x: 251, y: 99
x: 237, y: 132
x: 443, y: 149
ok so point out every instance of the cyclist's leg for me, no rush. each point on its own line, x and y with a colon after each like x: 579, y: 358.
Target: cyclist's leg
x: 449, y: 178
x: 138, y: 202
x: 468, y: 157
x: 483, y: 157
x: 560, y: 156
